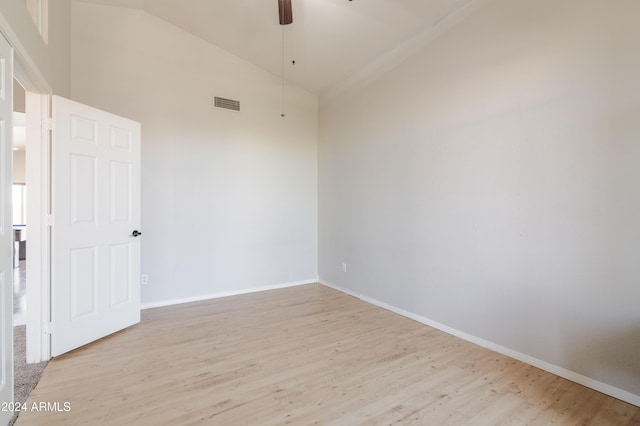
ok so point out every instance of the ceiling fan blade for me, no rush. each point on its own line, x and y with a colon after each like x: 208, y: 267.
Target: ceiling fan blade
x: 286, y: 16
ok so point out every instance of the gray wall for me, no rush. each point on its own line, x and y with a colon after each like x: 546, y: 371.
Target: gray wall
x: 19, y: 172
x: 229, y: 199
x: 52, y: 60
x: 490, y: 183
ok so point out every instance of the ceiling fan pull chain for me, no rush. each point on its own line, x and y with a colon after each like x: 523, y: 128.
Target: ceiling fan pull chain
x: 283, y: 80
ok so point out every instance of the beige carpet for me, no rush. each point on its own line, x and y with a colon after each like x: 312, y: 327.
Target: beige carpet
x: 26, y: 376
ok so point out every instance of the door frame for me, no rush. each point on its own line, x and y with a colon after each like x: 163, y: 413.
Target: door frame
x: 29, y: 76
x: 38, y: 173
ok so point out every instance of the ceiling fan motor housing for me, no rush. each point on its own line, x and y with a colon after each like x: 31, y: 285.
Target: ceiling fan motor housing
x: 286, y: 15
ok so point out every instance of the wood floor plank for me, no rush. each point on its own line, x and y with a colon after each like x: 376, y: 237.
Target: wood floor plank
x: 303, y: 355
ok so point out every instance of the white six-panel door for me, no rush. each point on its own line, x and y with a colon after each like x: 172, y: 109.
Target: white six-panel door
x: 96, y: 196
x: 6, y: 230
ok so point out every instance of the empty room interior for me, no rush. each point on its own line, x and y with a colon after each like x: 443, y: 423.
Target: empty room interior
x: 390, y: 211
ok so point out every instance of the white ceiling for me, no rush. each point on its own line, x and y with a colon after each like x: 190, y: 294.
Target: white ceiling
x: 330, y: 40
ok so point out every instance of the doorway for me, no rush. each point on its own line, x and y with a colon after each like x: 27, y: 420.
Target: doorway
x: 31, y: 158
x: 26, y: 375
x: 19, y: 206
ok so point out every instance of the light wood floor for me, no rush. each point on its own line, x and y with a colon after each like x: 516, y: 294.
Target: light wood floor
x: 304, y: 355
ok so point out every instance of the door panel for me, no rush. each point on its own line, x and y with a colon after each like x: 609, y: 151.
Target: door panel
x: 120, y: 192
x: 83, y: 283
x: 6, y: 228
x: 121, y: 285
x: 96, y: 267
x: 84, y: 191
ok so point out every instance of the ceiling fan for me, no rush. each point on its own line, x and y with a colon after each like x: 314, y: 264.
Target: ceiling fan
x: 286, y: 16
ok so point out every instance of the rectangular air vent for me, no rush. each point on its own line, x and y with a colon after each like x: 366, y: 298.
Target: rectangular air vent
x: 226, y: 103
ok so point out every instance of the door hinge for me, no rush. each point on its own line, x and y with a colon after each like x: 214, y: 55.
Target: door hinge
x: 49, y: 123
x: 50, y: 220
x: 49, y: 328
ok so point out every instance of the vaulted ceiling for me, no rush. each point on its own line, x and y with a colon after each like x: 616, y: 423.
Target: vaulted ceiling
x: 331, y: 41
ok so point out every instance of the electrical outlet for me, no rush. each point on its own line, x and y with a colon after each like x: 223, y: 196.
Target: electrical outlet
x: 144, y: 279
x: 344, y: 267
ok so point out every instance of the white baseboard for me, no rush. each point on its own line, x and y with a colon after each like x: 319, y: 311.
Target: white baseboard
x: 225, y: 294
x: 543, y: 365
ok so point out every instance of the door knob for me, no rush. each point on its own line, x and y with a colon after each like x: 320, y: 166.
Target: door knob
x: 136, y: 233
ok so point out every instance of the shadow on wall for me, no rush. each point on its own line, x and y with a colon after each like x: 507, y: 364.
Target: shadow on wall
x: 614, y: 355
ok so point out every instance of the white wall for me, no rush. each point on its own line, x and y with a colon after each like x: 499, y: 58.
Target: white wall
x: 50, y: 60
x: 229, y: 199
x: 490, y: 183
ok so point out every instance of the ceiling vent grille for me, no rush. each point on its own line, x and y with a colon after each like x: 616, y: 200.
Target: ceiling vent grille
x: 226, y: 103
